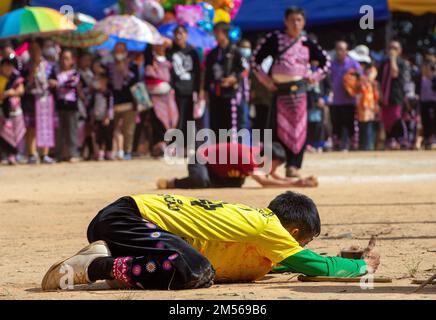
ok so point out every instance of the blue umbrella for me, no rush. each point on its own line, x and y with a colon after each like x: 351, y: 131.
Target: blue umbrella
x: 196, y: 37
x: 131, y: 45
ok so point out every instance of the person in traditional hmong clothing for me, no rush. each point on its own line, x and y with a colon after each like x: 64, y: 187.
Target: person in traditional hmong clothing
x: 12, y: 126
x: 65, y: 79
x: 292, y: 52
x: 221, y: 82
x: 38, y: 107
x: 87, y: 140
x: 172, y: 242
x: 102, y: 115
x: 165, y: 115
x: 123, y: 74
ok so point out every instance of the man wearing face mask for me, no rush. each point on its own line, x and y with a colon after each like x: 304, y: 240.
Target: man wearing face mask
x: 50, y: 51
x: 185, y: 76
x: 123, y: 74
x: 165, y: 115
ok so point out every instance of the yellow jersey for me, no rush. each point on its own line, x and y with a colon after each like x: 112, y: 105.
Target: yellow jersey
x: 241, y: 242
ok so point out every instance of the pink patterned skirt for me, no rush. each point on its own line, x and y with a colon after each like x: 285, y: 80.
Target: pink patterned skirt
x: 292, y: 120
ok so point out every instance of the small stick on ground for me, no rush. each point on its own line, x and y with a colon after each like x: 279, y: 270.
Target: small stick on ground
x: 303, y: 278
x: 430, y: 280
x: 371, y: 246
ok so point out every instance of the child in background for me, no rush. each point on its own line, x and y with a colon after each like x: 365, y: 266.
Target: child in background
x: 66, y: 81
x: 365, y: 88
x: 427, y: 92
x: 86, y: 130
x: 317, y: 99
x: 12, y: 126
x: 368, y: 107
x: 103, y: 113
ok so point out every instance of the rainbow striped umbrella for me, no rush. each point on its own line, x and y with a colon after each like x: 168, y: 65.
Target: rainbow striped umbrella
x: 34, y: 21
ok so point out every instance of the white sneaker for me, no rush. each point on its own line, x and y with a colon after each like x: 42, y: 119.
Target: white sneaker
x: 162, y: 184
x: 74, y: 270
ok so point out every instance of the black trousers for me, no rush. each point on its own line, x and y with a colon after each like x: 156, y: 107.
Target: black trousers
x: 343, y: 117
x: 295, y: 159
x: 185, y: 104
x: 220, y: 113
x: 158, y: 129
x: 159, y: 259
x: 104, y: 135
x: 200, y: 178
x: 7, y: 148
x: 428, y: 116
x: 260, y: 120
x: 315, y: 133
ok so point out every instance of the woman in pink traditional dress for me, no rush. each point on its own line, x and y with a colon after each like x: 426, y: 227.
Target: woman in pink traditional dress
x: 165, y: 115
x: 12, y: 127
x: 289, y: 78
x: 38, y: 107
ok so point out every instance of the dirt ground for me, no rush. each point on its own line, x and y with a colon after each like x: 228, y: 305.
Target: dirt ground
x: 45, y: 210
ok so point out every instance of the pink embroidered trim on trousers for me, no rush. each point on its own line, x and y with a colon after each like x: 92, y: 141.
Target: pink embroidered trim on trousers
x: 120, y: 268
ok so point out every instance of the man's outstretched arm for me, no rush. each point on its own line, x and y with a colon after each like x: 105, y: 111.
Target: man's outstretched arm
x: 312, y: 264
x: 271, y: 182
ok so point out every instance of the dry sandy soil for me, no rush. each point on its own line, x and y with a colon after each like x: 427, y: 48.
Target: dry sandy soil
x: 45, y: 210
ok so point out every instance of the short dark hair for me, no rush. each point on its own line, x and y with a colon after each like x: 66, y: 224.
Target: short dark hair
x: 5, y: 44
x: 222, y: 26
x: 66, y: 50
x: 180, y: 27
x: 278, y: 152
x: 84, y: 53
x: 7, y: 61
x: 294, y: 209
x: 294, y: 10
x: 397, y: 40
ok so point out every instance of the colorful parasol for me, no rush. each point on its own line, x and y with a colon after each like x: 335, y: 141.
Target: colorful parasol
x: 129, y: 27
x: 84, y: 36
x: 34, y: 21
x: 131, y: 45
x: 196, y: 37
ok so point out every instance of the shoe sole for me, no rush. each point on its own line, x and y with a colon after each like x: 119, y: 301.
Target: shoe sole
x: 59, y: 263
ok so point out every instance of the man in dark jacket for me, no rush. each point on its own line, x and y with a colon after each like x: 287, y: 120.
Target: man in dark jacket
x: 185, y: 76
x: 222, y: 76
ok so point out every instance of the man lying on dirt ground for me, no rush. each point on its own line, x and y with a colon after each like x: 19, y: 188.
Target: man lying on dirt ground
x: 210, y: 172
x: 176, y: 242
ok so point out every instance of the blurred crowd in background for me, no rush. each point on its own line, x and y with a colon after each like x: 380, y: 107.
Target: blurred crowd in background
x: 59, y: 104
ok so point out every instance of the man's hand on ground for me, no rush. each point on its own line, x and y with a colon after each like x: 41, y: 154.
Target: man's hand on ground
x: 371, y: 256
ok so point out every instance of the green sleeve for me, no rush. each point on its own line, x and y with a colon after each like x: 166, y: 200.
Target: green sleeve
x: 312, y: 264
